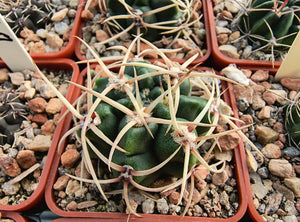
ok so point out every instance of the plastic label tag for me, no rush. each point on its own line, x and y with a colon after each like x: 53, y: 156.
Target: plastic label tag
x: 12, y: 51
x: 290, y: 66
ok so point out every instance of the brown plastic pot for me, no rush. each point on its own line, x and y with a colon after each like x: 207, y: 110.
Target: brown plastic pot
x: 202, y: 60
x: 69, y: 215
x: 68, y: 50
x: 35, y: 200
x: 13, y: 216
x: 219, y: 60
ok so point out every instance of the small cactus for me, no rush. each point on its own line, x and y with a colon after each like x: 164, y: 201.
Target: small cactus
x: 272, y: 23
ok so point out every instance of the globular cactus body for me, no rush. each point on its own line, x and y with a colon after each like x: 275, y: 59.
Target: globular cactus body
x: 143, y: 148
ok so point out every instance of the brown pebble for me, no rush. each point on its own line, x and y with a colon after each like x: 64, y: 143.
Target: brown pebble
x: 87, y: 15
x: 174, y: 197
x: 38, y: 47
x: 61, y: 194
x: 37, y: 105
x: 279, y: 144
x: 61, y: 182
x: 39, y: 118
x: 4, y: 75
x: 269, y: 97
x: 72, y: 206
x: 260, y: 75
x: 219, y: 178
x: 101, y: 35
x: 69, y: 158
x: 229, y: 141
x: 265, y: 84
x: 271, y: 151
x: 291, y: 84
x: 222, y: 38
x: 86, y: 204
x: 226, y: 15
x: 48, y: 128
x: 9, y: 166
x: 265, y: 112
x: 26, y: 159
x: 54, y: 106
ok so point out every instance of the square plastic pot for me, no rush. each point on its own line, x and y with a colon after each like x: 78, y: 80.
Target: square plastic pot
x: 202, y: 60
x: 93, y: 216
x: 220, y: 60
x: 37, y: 197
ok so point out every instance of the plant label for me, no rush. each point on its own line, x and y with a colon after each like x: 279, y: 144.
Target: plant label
x: 12, y: 51
x: 290, y: 67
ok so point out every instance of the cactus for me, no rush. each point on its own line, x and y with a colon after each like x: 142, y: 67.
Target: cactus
x: 144, y: 121
x: 274, y: 24
x: 292, y: 121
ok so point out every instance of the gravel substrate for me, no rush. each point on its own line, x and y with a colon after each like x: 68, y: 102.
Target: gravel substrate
x: 274, y: 178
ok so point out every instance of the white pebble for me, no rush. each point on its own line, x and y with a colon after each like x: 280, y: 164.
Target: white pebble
x: 233, y: 73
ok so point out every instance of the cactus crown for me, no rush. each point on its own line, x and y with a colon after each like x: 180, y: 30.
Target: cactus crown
x: 272, y: 24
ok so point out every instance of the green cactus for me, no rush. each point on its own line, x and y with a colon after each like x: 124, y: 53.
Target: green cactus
x: 140, y: 137
x: 273, y: 23
x: 292, y: 121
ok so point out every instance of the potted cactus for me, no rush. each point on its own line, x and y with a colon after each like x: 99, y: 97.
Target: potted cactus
x: 29, y: 132
x: 272, y: 172
x: 251, y: 32
x: 177, y: 27
x: 46, y: 29
x: 145, y: 123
